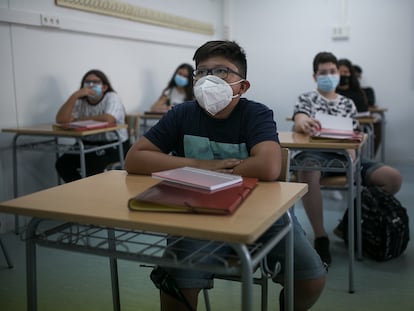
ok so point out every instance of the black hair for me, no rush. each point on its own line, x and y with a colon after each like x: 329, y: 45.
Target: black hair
x: 357, y: 69
x: 353, y: 80
x: 322, y: 58
x: 230, y: 50
x: 189, y: 93
x: 101, y: 76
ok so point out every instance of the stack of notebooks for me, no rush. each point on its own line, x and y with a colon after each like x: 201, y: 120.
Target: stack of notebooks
x: 191, y: 190
x: 336, y: 129
x: 83, y: 125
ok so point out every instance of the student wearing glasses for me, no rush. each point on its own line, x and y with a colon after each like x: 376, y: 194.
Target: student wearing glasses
x: 95, y: 100
x: 222, y: 131
x: 178, y: 90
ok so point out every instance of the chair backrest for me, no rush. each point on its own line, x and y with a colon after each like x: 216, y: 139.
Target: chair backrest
x: 285, y: 165
x: 132, y: 122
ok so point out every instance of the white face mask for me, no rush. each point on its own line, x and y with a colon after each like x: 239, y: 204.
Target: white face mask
x: 214, y: 94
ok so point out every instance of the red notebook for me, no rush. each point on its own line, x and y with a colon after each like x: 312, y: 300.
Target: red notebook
x: 169, y: 197
x: 84, y: 125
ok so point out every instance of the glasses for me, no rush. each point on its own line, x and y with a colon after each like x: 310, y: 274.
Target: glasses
x: 91, y: 82
x: 221, y: 72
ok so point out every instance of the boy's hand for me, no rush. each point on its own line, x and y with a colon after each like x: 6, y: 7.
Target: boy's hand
x: 307, y: 125
x: 223, y: 166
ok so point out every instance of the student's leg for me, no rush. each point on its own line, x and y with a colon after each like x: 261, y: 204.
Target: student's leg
x: 67, y: 167
x: 188, y: 282
x: 309, y: 271
x: 381, y: 175
x: 169, y: 303
x: 312, y: 201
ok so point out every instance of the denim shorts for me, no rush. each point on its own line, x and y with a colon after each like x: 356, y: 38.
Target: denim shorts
x: 367, y: 165
x: 307, y: 263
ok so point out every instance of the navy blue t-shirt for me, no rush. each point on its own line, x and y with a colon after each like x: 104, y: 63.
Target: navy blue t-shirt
x: 188, y: 131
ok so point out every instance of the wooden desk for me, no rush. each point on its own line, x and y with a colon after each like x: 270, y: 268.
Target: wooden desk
x: 80, y: 203
x: 142, y: 120
x: 381, y: 111
x: 302, y: 142
x: 51, y: 144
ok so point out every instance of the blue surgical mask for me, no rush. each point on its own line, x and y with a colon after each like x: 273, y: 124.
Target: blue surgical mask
x: 98, y: 91
x: 327, y: 83
x: 180, y: 80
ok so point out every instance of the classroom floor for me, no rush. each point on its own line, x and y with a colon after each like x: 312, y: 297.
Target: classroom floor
x: 70, y: 281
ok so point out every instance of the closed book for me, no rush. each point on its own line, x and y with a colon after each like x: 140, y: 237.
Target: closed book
x: 84, y: 125
x: 168, y: 197
x: 198, y: 178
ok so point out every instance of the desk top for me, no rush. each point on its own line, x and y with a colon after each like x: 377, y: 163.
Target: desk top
x: 377, y: 109
x: 50, y: 130
x: 102, y: 200
x: 302, y: 141
x: 148, y: 115
x: 368, y: 119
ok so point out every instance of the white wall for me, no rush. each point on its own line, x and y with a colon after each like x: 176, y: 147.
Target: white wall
x: 282, y: 37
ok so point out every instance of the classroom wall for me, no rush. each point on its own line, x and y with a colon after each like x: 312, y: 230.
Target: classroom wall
x: 282, y: 37
x: 42, y: 66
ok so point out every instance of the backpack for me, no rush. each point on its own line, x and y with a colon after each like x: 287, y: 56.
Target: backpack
x: 384, y: 222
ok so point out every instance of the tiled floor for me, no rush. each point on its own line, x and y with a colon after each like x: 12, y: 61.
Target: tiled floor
x: 69, y: 281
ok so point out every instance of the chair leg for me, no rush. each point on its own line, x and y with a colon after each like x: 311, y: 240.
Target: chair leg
x: 6, y: 255
x: 206, y: 299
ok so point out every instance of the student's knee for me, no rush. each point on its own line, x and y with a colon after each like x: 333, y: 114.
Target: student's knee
x: 307, y: 292
x: 387, y: 178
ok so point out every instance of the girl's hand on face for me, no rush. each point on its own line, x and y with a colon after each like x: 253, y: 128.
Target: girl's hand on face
x: 86, y: 91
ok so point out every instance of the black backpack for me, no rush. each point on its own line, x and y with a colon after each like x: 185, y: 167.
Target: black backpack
x: 384, y: 222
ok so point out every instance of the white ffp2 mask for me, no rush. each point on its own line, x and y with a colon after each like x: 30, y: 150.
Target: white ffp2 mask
x: 213, y: 93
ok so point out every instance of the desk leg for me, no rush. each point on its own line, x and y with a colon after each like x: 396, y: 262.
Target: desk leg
x: 358, y: 209
x: 15, y: 182
x: 289, y: 272
x: 114, y: 272
x: 383, y: 135
x: 31, y: 276
x: 82, y: 157
x: 246, y: 276
x: 351, y: 221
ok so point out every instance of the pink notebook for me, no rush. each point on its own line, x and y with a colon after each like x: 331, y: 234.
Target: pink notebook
x: 199, y: 178
x: 84, y: 125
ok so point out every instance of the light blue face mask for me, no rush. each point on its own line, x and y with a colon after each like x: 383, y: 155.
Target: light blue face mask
x: 180, y: 80
x: 98, y: 91
x: 327, y: 83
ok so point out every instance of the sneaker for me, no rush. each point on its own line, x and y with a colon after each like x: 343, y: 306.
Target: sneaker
x: 322, y: 248
x: 334, y: 195
x: 339, y: 231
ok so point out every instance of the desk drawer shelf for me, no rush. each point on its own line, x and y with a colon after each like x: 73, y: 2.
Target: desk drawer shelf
x: 142, y: 246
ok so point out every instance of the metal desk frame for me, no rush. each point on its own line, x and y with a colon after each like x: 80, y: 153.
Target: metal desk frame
x: 53, y: 145
x: 349, y: 167
x: 117, y: 243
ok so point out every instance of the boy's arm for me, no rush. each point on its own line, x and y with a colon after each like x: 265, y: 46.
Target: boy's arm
x: 145, y: 158
x: 305, y: 124
x: 264, y: 162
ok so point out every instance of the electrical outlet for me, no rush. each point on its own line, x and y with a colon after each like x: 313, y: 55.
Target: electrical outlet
x: 340, y: 32
x: 49, y: 20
